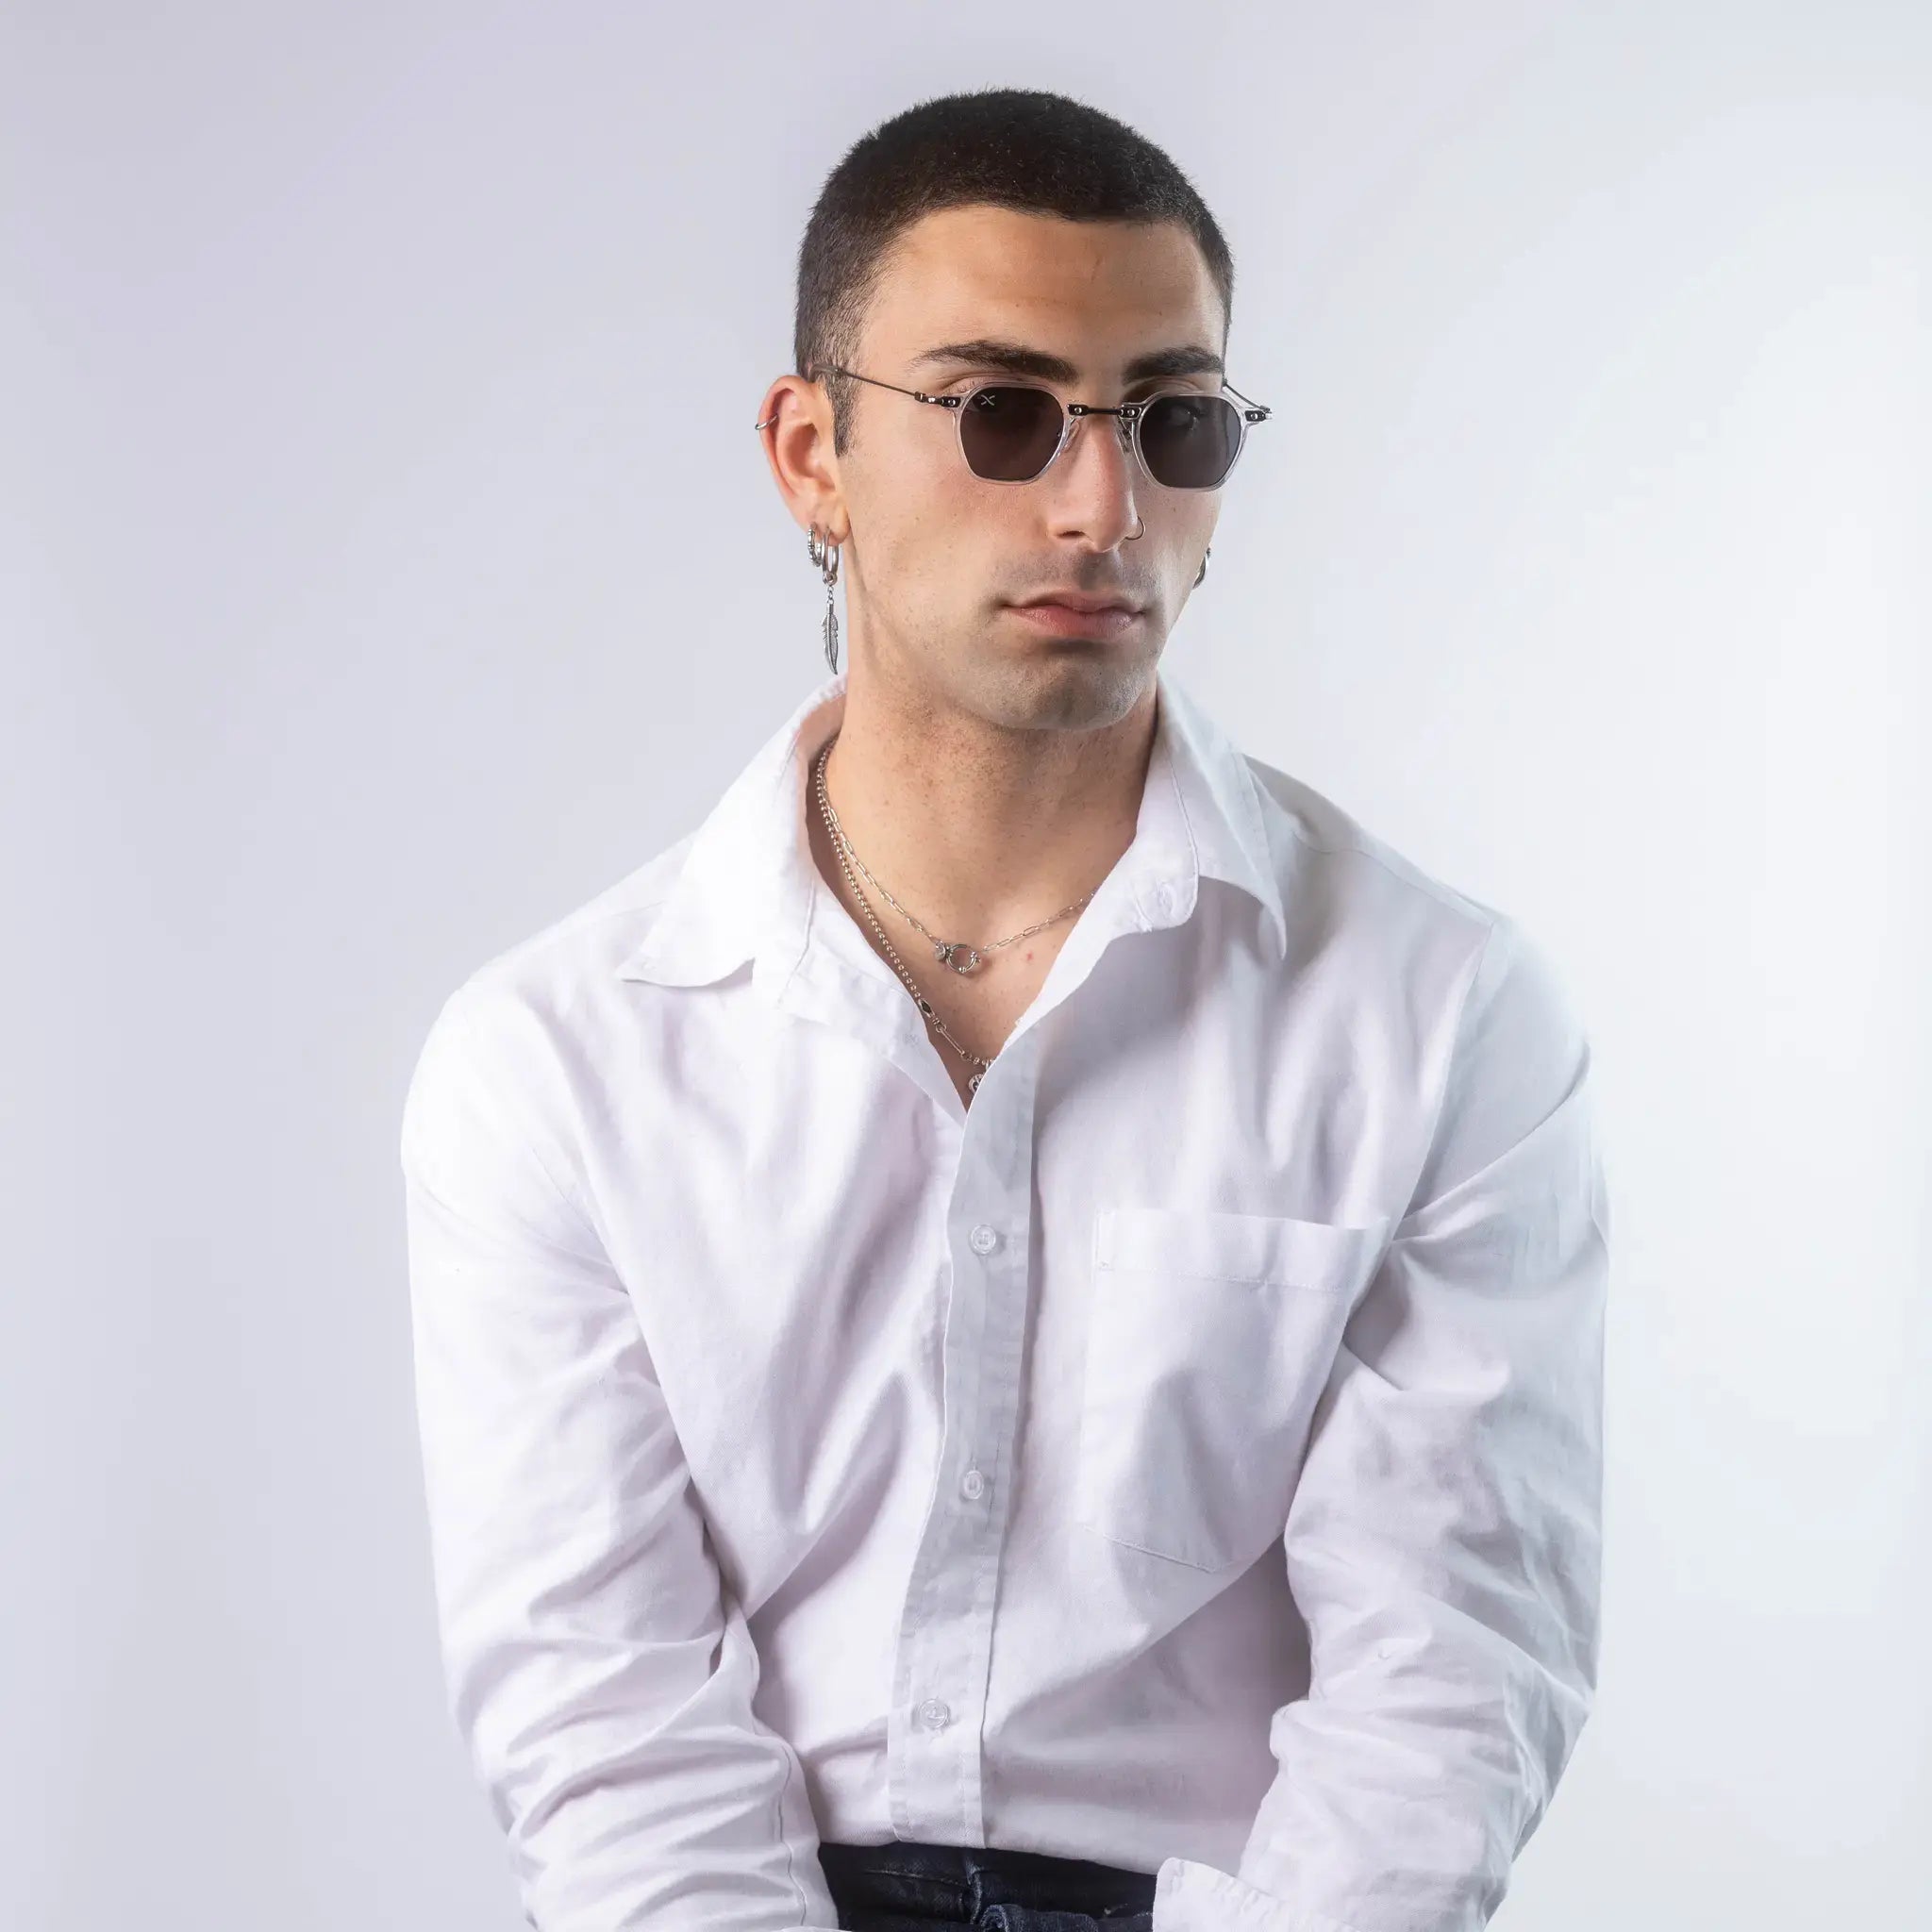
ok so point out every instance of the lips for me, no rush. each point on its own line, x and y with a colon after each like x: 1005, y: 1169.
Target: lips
x: 1066, y: 620
x: 1073, y: 600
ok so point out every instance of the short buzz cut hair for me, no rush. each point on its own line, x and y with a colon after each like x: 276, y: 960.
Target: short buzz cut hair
x: 1018, y: 148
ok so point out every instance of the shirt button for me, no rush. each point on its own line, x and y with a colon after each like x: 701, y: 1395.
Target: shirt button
x: 973, y: 1484
x: 984, y: 1240
x: 937, y: 1712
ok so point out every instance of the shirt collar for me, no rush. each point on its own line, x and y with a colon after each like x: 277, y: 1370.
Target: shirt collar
x: 745, y: 888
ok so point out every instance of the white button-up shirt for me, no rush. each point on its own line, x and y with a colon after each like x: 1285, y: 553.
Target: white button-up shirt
x: 1187, y: 1457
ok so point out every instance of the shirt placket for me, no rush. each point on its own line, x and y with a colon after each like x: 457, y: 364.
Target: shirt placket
x: 945, y: 1647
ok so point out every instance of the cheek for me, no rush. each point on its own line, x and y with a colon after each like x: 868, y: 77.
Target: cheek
x: 942, y: 527
x: 918, y: 481
x: 924, y: 547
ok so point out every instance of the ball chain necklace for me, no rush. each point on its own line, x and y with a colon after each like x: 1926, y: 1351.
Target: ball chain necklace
x: 956, y: 953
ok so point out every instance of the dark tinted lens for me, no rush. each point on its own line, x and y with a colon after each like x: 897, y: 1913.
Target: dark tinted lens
x: 1008, y: 433
x: 1190, y: 441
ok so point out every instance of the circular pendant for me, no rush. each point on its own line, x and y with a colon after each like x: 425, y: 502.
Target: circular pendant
x: 956, y: 953
x: 973, y: 1080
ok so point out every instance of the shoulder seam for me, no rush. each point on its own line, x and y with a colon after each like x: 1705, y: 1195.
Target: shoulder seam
x: 1362, y: 847
x: 568, y: 1198
x: 1427, y: 1139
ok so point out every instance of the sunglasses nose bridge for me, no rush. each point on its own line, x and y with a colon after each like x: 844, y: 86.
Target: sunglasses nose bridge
x: 1124, y: 427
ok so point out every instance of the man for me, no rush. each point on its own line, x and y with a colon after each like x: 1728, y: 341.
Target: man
x: 1009, y: 1333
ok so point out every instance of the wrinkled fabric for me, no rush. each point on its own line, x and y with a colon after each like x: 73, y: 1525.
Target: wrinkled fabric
x: 1186, y: 1457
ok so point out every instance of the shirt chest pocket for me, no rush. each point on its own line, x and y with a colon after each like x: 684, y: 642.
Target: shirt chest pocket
x: 1209, y: 1340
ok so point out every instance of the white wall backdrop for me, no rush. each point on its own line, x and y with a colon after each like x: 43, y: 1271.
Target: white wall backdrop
x: 388, y: 565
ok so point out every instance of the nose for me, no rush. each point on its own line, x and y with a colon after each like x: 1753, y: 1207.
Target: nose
x: 1092, y: 479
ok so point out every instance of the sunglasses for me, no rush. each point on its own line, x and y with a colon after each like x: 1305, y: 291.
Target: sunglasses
x: 1010, y: 431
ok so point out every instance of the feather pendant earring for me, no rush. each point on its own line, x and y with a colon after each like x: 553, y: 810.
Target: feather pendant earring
x: 825, y: 555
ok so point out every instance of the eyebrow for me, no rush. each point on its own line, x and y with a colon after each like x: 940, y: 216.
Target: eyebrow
x: 1017, y: 358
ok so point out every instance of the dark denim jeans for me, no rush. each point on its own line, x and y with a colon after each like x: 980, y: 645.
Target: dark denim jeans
x: 903, y: 1887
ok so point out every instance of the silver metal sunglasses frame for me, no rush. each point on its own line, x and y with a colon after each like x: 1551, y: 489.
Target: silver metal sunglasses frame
x: 1129, y: 414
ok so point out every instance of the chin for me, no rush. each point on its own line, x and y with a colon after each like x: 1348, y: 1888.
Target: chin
x: 1067, y: 684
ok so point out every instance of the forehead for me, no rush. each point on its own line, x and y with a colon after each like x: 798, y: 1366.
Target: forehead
x: 1095, y: 290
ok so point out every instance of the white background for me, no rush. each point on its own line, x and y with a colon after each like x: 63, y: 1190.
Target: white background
x: 388, y: 565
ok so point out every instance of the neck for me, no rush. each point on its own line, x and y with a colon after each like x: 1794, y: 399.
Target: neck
x: 981, y: 828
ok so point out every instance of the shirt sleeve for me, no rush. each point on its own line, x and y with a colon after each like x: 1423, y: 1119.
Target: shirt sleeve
x: 600, y: 1674
x: 1443, y: 1544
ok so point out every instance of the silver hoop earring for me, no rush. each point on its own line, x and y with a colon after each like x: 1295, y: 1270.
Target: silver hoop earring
x: 825, y: 555
x: 1205, y: 556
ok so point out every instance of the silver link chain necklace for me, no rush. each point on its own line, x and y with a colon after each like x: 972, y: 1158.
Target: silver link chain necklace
x: 956, y: 953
